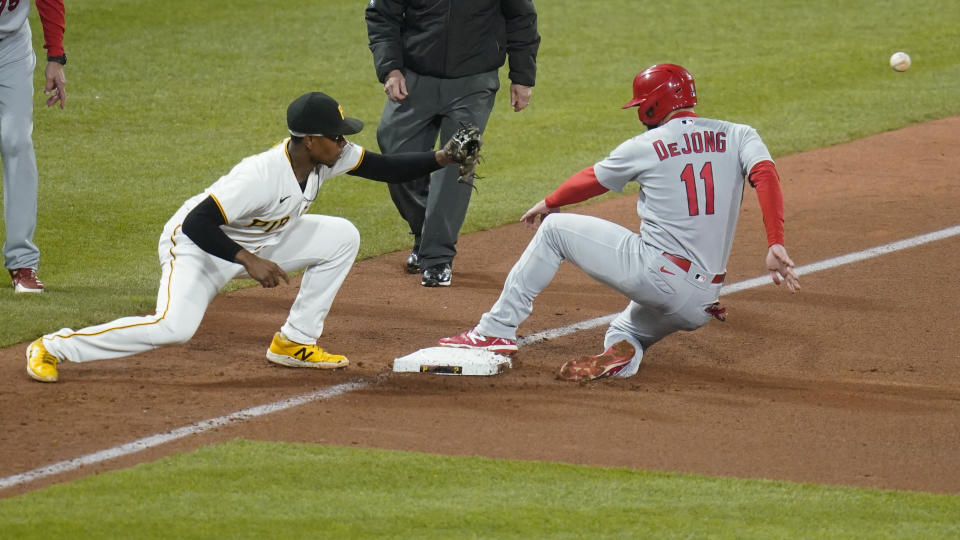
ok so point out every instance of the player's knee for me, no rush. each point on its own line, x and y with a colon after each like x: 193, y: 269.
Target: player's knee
x: 552, y: 227
x: 353, y: 236
x: 173, y: 333
x: 15, y: 143
x: 349, y: 236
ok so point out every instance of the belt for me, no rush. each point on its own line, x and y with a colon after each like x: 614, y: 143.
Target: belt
x: 685, y: 266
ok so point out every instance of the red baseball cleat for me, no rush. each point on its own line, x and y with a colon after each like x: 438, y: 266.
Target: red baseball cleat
x: 25, y: 281
x: 598, y: 366
x: 474, y: 340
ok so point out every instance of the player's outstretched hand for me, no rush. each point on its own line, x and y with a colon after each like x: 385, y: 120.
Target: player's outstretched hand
x: 266, y: 272
x: 781, y: 267
x: 540, y: 209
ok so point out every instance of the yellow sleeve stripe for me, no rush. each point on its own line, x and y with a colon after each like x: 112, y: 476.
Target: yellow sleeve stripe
x: 363, y: 152
x: 220, y: 206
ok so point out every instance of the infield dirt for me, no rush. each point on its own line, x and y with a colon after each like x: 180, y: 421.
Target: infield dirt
x: 854, y: 381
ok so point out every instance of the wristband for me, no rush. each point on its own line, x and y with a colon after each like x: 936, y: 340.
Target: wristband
x: 62, y: 59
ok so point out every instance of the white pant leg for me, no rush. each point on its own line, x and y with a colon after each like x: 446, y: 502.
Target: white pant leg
x: 606, y: 251
x: 326, y: 246
x: 679, y: 304
x: 615, y: 256
x: 190, y: 279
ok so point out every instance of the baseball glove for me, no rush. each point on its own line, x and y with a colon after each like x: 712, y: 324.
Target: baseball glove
x: 464, y: 148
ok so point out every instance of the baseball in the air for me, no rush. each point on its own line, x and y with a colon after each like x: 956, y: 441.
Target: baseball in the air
x: 900, y: 61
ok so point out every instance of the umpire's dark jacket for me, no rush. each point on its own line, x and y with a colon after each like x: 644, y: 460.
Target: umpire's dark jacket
x: 449, y: 39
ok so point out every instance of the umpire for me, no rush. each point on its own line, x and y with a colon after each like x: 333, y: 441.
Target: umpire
x: 438, y: 61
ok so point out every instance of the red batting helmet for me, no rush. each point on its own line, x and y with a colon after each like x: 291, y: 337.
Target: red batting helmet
x: 660, y: 89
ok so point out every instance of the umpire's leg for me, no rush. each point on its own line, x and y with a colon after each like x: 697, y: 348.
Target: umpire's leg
x: 410, y: 125
x: 468, y: 100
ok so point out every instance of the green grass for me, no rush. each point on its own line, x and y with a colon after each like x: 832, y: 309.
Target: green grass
x: 246, y: 489
x: 164, y: 97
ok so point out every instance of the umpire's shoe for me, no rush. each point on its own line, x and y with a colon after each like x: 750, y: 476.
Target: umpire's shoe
x: 41, y: 365
x: 438, y: 275
x: 291, y: 354
x: 412, y: 266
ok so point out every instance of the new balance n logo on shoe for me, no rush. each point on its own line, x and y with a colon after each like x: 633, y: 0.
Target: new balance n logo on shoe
x: 288, y: 353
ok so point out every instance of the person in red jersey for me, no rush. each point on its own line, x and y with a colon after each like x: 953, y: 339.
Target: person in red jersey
x: 692, y: 172
x: 20, y: 179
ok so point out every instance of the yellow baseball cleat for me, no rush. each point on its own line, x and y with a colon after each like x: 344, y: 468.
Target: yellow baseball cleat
x: 291, y: 354
x: 41, y: 365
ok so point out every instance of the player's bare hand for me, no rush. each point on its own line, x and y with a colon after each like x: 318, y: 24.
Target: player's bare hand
x: 540, y: 209
x: 395, y: 86
x: 520, y: 96
x: 56, y: 86
x: 266, y: 272
x: 781, y: 267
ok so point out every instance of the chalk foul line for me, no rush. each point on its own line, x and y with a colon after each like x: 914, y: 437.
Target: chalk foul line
x: 179, y: 433
x: 762, y: 280
x: 334, y: 391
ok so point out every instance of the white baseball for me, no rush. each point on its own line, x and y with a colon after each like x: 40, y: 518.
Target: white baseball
x: 900, y: 61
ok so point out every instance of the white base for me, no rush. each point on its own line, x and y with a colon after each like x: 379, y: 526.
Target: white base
x: 450, y: 361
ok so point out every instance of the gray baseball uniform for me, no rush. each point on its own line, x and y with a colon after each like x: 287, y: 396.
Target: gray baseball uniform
x: 691, y: 174
x: 17, y: 61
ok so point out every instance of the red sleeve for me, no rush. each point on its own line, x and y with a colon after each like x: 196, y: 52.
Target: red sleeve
x: 53, y: 21
x: 763, y: 176
x: 579, y: 187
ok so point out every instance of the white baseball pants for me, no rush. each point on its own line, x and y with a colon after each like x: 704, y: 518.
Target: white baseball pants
x: 663, y: 297
x: 325, y: 246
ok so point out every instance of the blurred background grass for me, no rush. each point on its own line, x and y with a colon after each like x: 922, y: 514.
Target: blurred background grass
x: 164, y: 97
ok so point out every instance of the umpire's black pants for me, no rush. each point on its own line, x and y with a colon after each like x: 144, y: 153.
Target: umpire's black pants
x: 434, y: 206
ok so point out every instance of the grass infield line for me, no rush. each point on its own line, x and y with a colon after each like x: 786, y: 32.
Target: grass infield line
x: 334, y: 391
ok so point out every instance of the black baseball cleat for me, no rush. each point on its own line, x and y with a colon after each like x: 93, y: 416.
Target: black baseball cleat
x: 438, y: 275
x: 412, y: 266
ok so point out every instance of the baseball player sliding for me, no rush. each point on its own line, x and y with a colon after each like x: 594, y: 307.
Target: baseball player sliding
x: 691, y: 173
x: 252, y: 222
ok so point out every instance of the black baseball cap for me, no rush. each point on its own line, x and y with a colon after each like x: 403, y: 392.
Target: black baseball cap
x: 316, y: 113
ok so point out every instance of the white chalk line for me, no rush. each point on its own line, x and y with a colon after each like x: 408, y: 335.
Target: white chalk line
x: 762, y: 280
x: 327, y: 393
x: 179, y: 433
